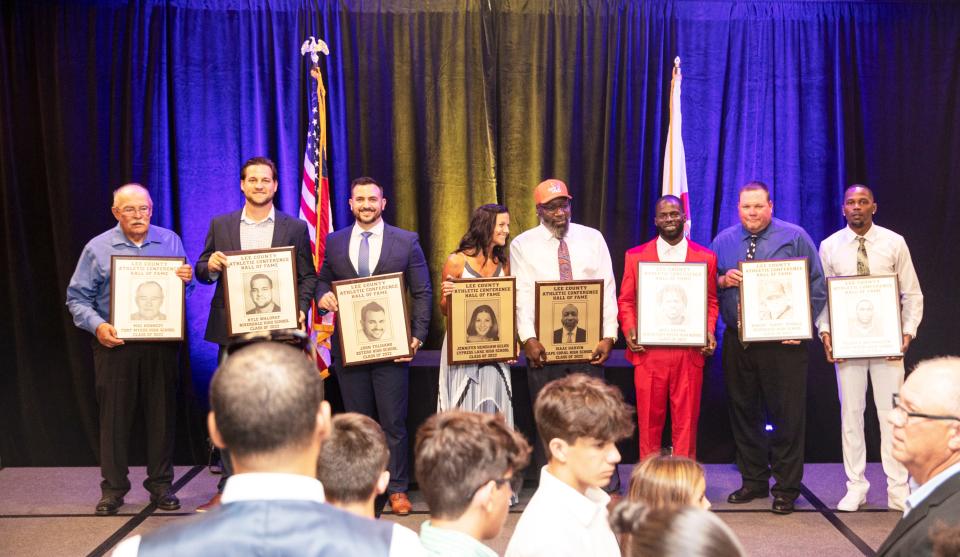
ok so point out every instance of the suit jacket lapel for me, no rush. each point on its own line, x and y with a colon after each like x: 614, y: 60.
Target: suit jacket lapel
x: 279, y: 231
x: 385, y: 249
x: 942, y: 492
x: 234, y: 231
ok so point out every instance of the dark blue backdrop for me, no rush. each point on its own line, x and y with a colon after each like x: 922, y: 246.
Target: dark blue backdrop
x: 808, y: 96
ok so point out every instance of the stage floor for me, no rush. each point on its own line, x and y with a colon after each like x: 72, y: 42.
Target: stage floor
x: 49, y: 511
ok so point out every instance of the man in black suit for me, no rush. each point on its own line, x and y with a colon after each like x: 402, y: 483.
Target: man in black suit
x: 569, y: 333
x: 372, y: 247
x: 258, y: 225
x: 926, y: 440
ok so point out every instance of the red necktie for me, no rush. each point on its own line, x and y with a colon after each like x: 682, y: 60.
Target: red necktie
x: 563, y: 255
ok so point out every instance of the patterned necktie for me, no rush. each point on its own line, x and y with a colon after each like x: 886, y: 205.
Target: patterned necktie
x: 363, y: 261
x: 863, y: 264
x: 569, y: 337
x: 752, y: 248
x: 566, y: 272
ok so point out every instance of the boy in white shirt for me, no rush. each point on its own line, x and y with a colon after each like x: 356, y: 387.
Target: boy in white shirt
x: 579, y: 419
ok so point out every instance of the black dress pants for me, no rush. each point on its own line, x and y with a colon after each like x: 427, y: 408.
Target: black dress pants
x: 767, y: 384
x: 132, y: 375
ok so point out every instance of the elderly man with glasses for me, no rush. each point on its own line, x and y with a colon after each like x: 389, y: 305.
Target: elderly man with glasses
x: 926, y: 440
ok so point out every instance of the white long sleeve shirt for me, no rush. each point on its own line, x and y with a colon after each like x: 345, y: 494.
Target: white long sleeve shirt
x: 887, y: 254
x: 533, y: 257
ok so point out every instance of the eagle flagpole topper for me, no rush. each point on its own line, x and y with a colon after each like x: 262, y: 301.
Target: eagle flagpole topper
x: 315, y: 192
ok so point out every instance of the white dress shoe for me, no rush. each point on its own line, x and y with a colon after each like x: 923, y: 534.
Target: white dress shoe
x: 851, y: 501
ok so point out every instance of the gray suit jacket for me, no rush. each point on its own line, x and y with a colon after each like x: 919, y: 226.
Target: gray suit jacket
x: 911, y: 536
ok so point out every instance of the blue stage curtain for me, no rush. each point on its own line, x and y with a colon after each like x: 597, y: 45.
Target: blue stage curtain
x: 452, y: 104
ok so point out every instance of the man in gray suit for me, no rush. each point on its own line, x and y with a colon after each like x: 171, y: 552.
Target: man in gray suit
x: 926, y: 440
x: 267, y: 406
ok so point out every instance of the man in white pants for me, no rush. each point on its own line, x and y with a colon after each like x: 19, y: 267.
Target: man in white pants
x: 864, y: 248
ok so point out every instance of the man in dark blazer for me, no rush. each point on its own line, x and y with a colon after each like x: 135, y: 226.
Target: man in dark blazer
x: 258, y: 225
x: 926, y: 440
x: 569, y: 333
x: 372, y: 247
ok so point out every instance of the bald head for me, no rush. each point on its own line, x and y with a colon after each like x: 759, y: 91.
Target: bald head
x: 937, y: 382
x: 126, y: 191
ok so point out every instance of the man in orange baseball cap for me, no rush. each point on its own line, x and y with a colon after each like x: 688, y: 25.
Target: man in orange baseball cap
x: 559, y: 249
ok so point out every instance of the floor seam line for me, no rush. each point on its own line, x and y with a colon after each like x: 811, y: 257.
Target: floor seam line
x: 834, y: 520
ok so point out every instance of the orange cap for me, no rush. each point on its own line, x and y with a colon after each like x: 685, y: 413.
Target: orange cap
x: 550, y: 189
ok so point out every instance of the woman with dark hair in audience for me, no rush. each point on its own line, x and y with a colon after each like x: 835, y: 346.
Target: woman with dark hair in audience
x: 663, y: 481
x: 483, y: 387
x: 672, y: 532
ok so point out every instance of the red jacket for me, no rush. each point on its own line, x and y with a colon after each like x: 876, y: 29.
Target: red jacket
x: 627, y: 302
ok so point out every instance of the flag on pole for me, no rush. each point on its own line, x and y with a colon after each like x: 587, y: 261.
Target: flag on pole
x: 315, y: 193
x: 674, y: 160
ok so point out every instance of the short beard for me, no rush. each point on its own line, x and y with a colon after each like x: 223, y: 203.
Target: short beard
x: 559, y: 232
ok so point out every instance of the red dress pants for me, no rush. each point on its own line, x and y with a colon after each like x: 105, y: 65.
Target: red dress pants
x: 674, y: 375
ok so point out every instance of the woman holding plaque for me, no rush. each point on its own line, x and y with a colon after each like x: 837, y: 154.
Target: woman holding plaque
x: 483, y: 387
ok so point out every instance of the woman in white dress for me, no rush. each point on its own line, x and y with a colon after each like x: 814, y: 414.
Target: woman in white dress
x: 483, y: 387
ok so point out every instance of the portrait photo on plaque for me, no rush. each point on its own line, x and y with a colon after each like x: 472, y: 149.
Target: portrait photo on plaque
x: 260, y: 289
x: 146, y: 298
x: 671, y: 304
x: 481, y: 323
x: 865, y: 316
x: 372, y: 324
x: 775, y: 300
x: 569, y: 319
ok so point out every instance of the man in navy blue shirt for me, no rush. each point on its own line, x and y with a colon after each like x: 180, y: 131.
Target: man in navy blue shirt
x: 765, y: 378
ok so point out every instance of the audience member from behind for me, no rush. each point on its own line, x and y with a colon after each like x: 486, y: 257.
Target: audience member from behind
x: 267, y: 407
x: 353, y: 471
x: 926, y: 440
x: 669, y: 481
x: 465, y: 462
x: 672, y: 532
x: 579, y: 419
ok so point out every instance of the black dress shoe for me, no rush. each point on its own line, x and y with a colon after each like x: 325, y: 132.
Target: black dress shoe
x: 109, y: 505
x: 166, y: 502
x: 782, y: 505
x: 745, y: 495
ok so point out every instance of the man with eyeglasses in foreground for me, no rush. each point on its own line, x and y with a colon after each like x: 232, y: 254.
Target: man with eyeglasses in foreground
x: 926, y: 440
x: 465, y: 464
x: 135, y: 374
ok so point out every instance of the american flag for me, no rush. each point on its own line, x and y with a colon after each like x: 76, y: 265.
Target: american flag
x: 674, y: 158
x: 315, y: 205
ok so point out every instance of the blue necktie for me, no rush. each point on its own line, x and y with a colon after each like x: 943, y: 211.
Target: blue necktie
x: 363, y: 261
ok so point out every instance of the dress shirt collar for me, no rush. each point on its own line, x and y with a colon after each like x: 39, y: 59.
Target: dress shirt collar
x: 919, y: 493
x: 271, y: 216
x: 664, y: 246
x: 850, y: 236
x: 268, y: 486
x: 120, y: 239
x: 452, y: 542
x: 585, y: 508
x: 377, y: 229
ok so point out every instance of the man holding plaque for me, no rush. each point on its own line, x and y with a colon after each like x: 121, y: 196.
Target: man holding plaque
x: 865, y: 248
x: 665, y: 374
x: 765, y: 378
x: 138, y: 373
x: 560, y: 250
x: 372, y: 247
x: 258, y: 225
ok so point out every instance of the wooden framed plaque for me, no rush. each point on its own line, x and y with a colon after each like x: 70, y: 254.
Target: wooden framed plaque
x: 775, y: 300
x: 372, y: 324
x: 147, y: 298
x: 671, y: 304
x: 865, y: 316
x: 260, y: 289
x: 481, y: 325
x: 569, y: 319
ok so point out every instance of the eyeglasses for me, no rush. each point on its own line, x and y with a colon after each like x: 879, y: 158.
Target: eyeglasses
x: 131, y: 211
x: 896, y: 407
x: 553, y: 207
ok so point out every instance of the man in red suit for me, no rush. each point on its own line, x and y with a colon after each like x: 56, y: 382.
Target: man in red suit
x: 663, y: 373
